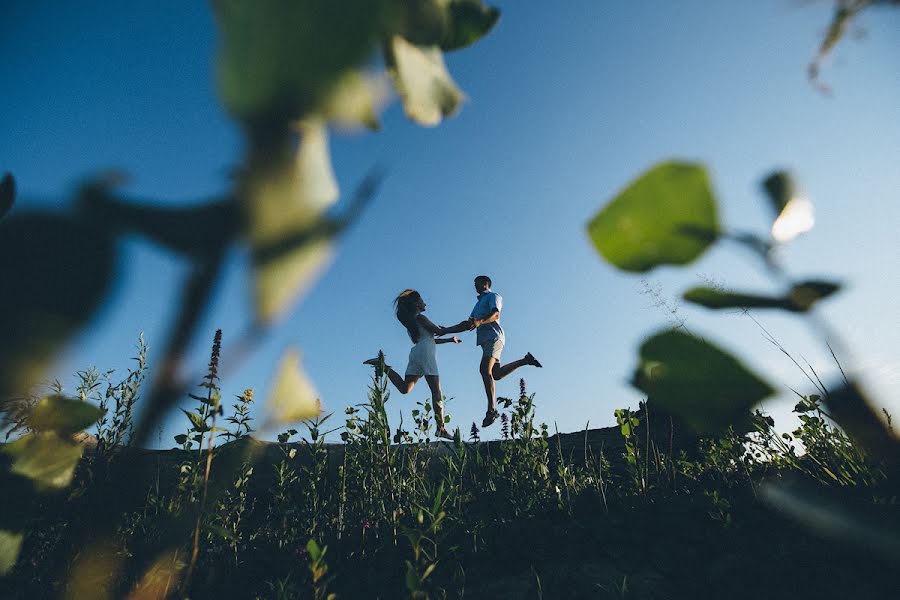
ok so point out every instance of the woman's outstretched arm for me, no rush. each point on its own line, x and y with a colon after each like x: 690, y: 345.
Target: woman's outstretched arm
x: 454, y: 339
x: 467, y: 325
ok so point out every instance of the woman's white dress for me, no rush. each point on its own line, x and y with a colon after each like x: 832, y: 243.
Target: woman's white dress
x: 423, y: 356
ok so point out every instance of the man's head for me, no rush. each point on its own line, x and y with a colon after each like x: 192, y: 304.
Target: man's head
x: 482, y: 283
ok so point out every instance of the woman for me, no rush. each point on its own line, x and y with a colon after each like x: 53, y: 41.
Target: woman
x: 423, y: 356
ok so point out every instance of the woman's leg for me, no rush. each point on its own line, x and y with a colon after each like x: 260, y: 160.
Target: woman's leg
x: 402, y: 385
x: 437, y: 401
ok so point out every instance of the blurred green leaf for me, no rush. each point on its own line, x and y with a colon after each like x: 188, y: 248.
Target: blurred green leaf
x: 10, y: 544
x: 64, y: 415
x: 666, y: 216
x: 279, y: 58
x: 693, y: 379
x: 46, y: 458
x: 195, y: 231
x: 422, y: 81
x: 284, y: 202
x: 805, y: 294
x: 181, y: 438
x: 717, y: 299
x: 855, y: 413
x: 470, y: 20
x: 7, y: 193
x: 293, y: 397
x: 356, y: 100
x: 60, y: 269
x: 780, y: 188
x: 800, y: 298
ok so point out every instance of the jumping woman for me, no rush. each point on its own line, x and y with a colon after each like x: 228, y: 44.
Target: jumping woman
x: 423, y: 356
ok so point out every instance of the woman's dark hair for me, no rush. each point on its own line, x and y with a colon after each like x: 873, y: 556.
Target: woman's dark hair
x: 407, y: 309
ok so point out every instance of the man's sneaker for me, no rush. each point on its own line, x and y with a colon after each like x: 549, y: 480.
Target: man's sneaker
x: 489, y: 418
x: 531, y: 360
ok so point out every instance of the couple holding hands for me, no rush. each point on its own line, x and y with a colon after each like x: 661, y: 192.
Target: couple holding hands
x: 485, y: 319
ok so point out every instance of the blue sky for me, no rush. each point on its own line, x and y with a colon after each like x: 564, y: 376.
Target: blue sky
x: 567, y: 102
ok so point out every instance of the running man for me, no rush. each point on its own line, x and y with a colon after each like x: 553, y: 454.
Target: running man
x: 489, y: 335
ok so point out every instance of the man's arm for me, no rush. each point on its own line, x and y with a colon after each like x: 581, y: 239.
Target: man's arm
x: 494, y: 316
x: 454, y: 339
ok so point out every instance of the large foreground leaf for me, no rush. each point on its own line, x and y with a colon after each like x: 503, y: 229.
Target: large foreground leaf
x: 284, y: 202
x: 64, y: 415
x: 46, y: 458
x: 279, y: 58
x: 10, y: 544
x: 55, y: 271
x: 667, y: 215
x: 293, y: 397
x: 693, y: 379
x: 7, y: 193
x: 421, y: 78
x: 470, y: 20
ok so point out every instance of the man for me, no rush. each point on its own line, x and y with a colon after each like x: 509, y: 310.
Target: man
x: 489, y: 335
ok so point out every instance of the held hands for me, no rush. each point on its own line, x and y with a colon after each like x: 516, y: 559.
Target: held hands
x: 473, y: 323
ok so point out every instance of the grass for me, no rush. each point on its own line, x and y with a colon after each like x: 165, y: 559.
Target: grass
x: 644, y: 509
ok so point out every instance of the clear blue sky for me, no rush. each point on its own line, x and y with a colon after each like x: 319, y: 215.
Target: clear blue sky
x: 568, y: 101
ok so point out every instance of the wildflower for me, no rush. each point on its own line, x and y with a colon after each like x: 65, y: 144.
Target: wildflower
x: 504, y: 427
x: 473, y: 433
x: 214, y: 356
x: 522, y: 388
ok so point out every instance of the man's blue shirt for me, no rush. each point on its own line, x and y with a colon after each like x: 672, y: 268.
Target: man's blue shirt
x: 487, y: 302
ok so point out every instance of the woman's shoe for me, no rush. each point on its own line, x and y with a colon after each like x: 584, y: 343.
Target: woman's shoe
x: 443, y: 434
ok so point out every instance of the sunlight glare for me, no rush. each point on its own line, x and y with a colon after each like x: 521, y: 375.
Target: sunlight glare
x: 797, y: 218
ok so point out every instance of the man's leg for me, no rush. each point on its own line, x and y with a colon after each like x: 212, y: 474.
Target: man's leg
x: 499, y: 372
x: 488, y: 363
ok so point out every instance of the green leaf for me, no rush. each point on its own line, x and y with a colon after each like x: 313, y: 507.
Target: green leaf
x: 7, y: 193
x: 356, y: 100
x: 45, y: 458
x: 61, y: 269
x: 293, y: 397
x: 693, y: 379
x: 194, y: 231
x: 196, y: 420
x: 805, y: 294
x: 428, y: 571
x: 63, y: 415
x: 315, y: 553
x: 667, y: 215
x: 717, y: 299
x: 181, y: 438
x: 280, y: 58
x: 281, y: 202
x: 780, y: 189
x: 470, y: 20
x: 412, y: 578
x: 420, y: 76
x: 10, y: 544
x: 800, y: 298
